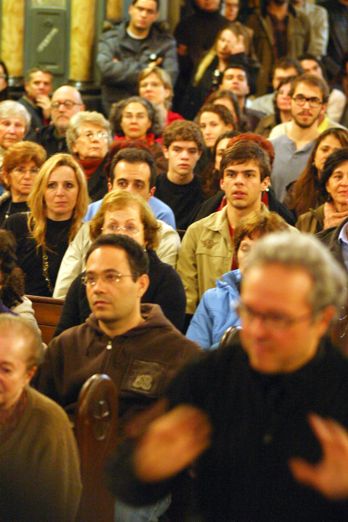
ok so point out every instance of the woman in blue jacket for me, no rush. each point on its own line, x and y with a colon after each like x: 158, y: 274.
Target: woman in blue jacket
x: 217, y: 309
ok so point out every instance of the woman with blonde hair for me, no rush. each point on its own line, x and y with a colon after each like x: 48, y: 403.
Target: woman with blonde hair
x: 58, y: 201
x: 230, y: 46
x: 155, y: 85
x: 126, y: 213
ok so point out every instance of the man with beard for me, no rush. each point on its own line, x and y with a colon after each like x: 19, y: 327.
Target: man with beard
x: 279, y: 30
x: 309, y: 95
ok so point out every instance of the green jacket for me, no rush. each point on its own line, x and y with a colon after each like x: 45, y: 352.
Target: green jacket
x: 298, y: 43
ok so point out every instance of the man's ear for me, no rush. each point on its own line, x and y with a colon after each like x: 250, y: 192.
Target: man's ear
x: 152, y: 191
x: 31, y: 373
x: 323, y: 109
x: 143, y: 284
x: 324, y: 319
x: 222, y: 184
x: 165, y: 151
x: 265, y: 183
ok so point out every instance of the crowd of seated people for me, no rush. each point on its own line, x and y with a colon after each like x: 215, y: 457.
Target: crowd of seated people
x: 209, y: 138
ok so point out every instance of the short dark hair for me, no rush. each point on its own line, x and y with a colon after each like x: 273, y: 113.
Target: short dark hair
x: 136, y: 256
x: 286, y: 63
x: 183, y: 131
x: 240, y: 66
x: 157, y: 3
x: 33, y: 70
x: 313, y: 81
x: 332, y: 162
x: 135, y: 155
x: 265, y: 144
x: 243, y: 151
x: 309, y: 56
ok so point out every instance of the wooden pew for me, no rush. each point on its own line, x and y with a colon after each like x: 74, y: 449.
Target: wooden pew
x: 96, y: 434
x: 47, y: 312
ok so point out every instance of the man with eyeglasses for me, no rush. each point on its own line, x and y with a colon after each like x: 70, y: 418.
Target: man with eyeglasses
x: 293, y: 141
x: 66, y: 101
x: 241, y: 415
x: 131, y: 46
x: 131, y: 342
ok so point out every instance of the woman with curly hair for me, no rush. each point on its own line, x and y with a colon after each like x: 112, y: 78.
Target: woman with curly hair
x: 89, y: 138
x: 121, y: 212
x: 12, y: 298
x: 57, y: 203
x: 138, y: 119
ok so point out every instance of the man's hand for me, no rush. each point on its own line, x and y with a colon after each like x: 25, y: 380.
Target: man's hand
x: 171, y: 443
x: 330, y: 475
x: 45, y: 103
x: 239, y: 46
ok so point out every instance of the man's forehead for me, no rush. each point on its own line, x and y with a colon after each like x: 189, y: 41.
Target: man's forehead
x: 65, y: 94
x: 243, y: 165
x: 308, y: 90
x: 289, y: 71
x: 147, y: 4
x: 40, y: 76
x: 102, y: 257
x: 126, y: 168
x: 234, y: 71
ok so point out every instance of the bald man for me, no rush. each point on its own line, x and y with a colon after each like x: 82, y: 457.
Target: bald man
x: 66, y: 101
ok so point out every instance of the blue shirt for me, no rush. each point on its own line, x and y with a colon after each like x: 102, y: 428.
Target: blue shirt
x: 161, y: 211
x: 344, y: 243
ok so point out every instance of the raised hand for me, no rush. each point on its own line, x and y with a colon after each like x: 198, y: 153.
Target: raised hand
x: 330, y: 475
x: 171, y: 443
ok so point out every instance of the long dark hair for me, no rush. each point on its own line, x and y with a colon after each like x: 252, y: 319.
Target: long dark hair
x: 12, y: 277
x: 306, y: 192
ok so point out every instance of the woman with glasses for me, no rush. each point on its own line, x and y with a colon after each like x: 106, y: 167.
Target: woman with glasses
x: 88, y: 138
x: 217, y: 309
x: 138, y: 119
x: 121, y: 212
x: 333, y: 186
x: 57, y: 203
x: 21, y: 164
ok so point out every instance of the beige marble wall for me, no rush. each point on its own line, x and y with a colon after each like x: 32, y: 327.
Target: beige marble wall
x: 82, y: 33
x: 12, y: 34
x: 113, y: 9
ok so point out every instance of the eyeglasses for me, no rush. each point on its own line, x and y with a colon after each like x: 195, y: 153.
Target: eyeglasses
x: 109, y: 278
x: 272, y: 321
x: 129, y: 230
x: 313, y: 102
x: 21, y: 171
x: 68, y: 104
x: 90, y: 135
